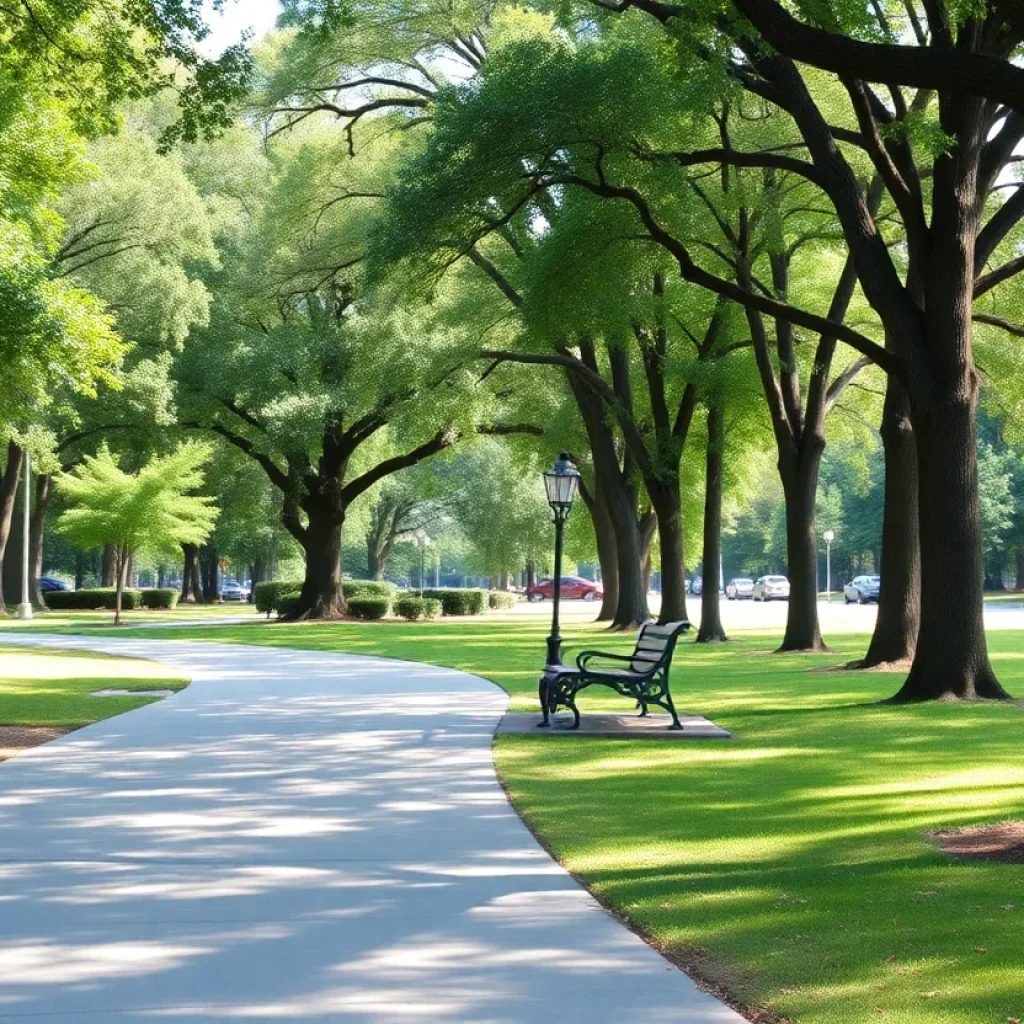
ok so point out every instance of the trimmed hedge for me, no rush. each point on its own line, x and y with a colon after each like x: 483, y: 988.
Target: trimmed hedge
x: 92, y: 599
x: 459, y: 602
x: 160, y: 598
x: 368, y: 588
x: 501, y: 599
x: 269, y: 594
x: 413, y: 608
x: 282, y: 596
x: 369, y: 607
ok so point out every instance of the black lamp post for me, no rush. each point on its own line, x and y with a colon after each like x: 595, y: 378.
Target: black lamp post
x: 561, y: 484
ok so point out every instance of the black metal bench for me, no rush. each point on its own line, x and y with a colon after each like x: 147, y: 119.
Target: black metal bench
x: 644, y: 679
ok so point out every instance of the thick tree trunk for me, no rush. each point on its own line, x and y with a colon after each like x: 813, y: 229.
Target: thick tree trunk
x: 800, y: 486
x: 531, y: 574
x: 1018, y: 583
x: 257, y: 574
x: 79, y: 570
x: 209, y: 562
x: 668, y: 507
x: 188, y: 588
x: 711, y: 628
x: 607, y: 555
x: 8, y: 496
x: 109, y: 566
x: 322, y: 596
x: 44, y: 486
x: 899, y: 604
x: 951, y: 658
x: 631, y: 610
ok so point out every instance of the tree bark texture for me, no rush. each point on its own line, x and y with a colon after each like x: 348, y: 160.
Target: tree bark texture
x: 37, y: 524
x: 322, y: 596
x: 188, y: 555
x: 620, y: 494
x: 951, y: 657
x: 899, y: 603
x: 668, y: 507
x: 607, y: 549
x: 711, y: 628
x: 8, y: 496
x: 800, y: 486
x: 109, y: 578
x: 209, y: 565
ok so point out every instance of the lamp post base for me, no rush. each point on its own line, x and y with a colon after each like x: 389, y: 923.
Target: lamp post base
x: 24, y: 611
x: 554, y: 650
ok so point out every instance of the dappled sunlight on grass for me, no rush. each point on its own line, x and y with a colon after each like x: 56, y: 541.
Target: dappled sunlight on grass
x: 793, y: 856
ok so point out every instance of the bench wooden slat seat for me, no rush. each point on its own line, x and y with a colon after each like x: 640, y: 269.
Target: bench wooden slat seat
x: 642, y: 675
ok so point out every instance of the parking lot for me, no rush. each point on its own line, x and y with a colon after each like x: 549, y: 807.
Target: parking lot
x: 835, y: 617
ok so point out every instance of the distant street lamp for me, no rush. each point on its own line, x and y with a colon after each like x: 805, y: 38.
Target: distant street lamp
x: 25, y: 608
x: 422, y: 542
x: 829, y: 537
x: 561, y: 483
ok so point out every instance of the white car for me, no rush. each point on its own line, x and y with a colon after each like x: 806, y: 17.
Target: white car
x: 739, y: 588
x: 771, y: 588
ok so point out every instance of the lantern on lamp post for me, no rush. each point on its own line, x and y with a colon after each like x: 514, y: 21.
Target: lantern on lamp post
x: 561, y: 483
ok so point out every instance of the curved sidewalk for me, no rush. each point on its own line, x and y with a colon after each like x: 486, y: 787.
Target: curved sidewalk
x: 299, y: 837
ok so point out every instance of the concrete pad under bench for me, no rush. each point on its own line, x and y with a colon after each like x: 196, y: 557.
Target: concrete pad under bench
x: 610, y: 726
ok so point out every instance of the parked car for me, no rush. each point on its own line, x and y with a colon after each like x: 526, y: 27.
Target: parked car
x: 739, y: 589
x: 48, y: 584
x: 862, y: 589
x: 572, y: 587
x: 234, y: 592
x: 771, y: 588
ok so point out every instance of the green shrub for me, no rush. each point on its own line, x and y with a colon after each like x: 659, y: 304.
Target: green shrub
x: 92, y: 598
x: 413, y: 608
x: 501, y: 599
x: 369, y: 607
x: 368, y: 588
x: 270, y: 593
x: 160, y: 598
x: 288, y: 604
x: 459, y: 602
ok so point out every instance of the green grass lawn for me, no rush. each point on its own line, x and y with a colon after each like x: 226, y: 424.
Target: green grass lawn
x: 48, y: 622
x: 788, y: 865
x: 52, y: 688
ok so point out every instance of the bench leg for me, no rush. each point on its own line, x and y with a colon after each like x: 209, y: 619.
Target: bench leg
x: 542, y: 693
x: 676, y: 724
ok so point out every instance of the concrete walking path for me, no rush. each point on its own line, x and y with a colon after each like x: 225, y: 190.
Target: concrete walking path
x: 299, y: 837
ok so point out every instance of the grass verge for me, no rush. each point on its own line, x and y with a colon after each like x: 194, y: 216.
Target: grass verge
x: 53, y: 688
x: 788, y: 866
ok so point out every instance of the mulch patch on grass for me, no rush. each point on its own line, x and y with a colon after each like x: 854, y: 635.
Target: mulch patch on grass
x: 1003, y: 841
x: 16, y: 738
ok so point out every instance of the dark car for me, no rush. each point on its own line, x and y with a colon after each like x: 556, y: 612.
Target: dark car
x: 49, y: 584
x: 862, y: 589
x: 572, y: 587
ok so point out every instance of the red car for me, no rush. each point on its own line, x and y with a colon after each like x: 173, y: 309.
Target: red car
x: 572, y: 587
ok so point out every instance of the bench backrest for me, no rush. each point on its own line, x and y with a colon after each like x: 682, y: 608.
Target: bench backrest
x: 656, y: 644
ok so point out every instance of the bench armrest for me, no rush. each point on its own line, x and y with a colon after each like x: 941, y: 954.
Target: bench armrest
x: 587, y: 656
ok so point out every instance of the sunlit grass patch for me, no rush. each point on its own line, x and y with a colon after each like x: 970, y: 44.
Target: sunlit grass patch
x: 53, y: 688
x: 791, y: 864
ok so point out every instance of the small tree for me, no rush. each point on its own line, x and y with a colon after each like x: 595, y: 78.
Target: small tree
x: 152, y: 509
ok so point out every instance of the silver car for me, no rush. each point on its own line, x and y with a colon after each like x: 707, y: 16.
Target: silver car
x: 771, y: 588
x: 739, y: 588
x: 862, y: 589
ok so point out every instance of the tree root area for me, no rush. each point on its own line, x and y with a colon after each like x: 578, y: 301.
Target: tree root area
x: 1003, y: 841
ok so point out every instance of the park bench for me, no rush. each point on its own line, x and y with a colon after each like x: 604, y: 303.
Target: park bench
x: 644, y: 677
